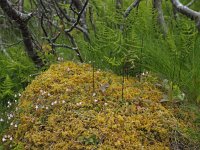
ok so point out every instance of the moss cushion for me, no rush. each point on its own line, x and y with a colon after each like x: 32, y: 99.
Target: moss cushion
x: 72, y: 106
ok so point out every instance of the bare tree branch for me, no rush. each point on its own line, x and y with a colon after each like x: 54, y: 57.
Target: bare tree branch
x: 78, y: 19
x: 21, y: 5
x: 21, y: 19
x: 190, y: 3
x: 63, y: 13
x: 43, y: 6
x: 63, y: 45
x: 118, y: 4
x: 130, y: 8
x: 77, y: 3
x: 157, y: 4
x: 194, y: 15
x: 71, y: 21
x: 13, y: 13
x: 52, y: 41
x: 71, y: 38
x: 10, y: 45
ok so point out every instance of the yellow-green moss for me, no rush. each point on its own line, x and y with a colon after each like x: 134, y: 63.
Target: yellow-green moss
x: 61, y: 110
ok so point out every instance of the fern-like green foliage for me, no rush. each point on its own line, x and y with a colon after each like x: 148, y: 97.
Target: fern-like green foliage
x: 14, y: 77
x: 7, y: 88
x: 138, y: 40
x: 15, y: 73
x: 114, y: 45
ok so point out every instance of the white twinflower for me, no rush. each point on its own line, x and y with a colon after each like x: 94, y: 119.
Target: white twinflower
x: 11, y: 115
x: 15, y: 95
x: 105, y: 104
x: 15, y: 125
x: 19, y: 94
x: 78, y: 104
x: 11, y: 138
x: 183, y: 94
x: 3, y: 139
x: 94, y: 94
x: 49, y: 94
x: 1, y: 120
x: 55, y: 102
x: 36, y: 107
x: 11, y: 123
x: 47, y: 107
x: 52, y: 103
x: 95, y: 100
x: 63, y: 101
x: 9, y: 104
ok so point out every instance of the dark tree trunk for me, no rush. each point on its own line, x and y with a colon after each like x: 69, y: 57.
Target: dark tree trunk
x: 27, y: 39
x: 157, y: 4
x: 21, y: 19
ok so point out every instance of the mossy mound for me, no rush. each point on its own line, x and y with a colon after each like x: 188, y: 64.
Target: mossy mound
x: 71, y: 107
